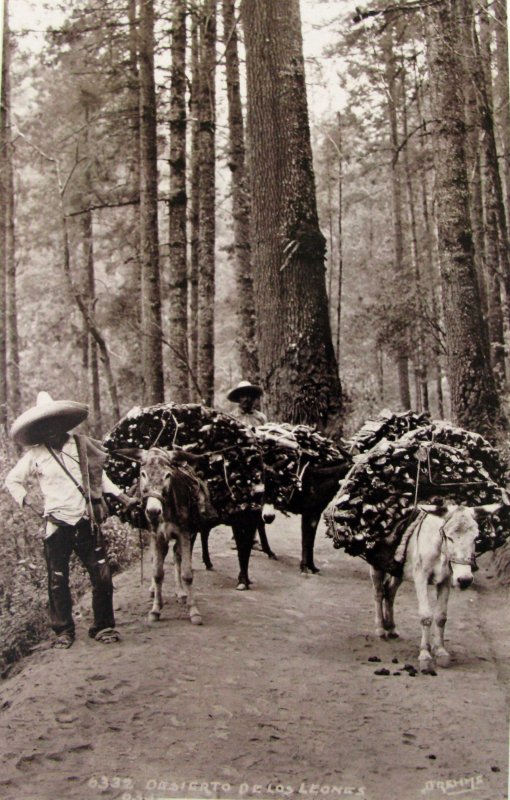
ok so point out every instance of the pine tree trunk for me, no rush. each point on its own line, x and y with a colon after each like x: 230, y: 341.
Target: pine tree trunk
x: 421, y: 389
x: 475, y: 403
x: 502, y: 92
x: 492, y: 232
x: 396, y: 191
x: 4, y: 145
x: 431, y: 267
x: 207, y: 209
x: 247, y: 344
x: 134, y: 158
x: 340, y: 237
x: 298, y: 367
x: 194, y: 205
x: 178, y: 279
x: 12, y: 341
x: 152, y: 359
x: 96, y: 422
x: 473, y: 151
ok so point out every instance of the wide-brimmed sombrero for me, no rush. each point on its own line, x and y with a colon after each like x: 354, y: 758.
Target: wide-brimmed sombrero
x: 244, y: 387
x: 57, y: 416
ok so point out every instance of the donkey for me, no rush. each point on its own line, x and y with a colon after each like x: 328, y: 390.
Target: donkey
x: 437, y: 548
x: 171, y: 497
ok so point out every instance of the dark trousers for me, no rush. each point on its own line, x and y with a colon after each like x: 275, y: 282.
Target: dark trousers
x: 88, y: 546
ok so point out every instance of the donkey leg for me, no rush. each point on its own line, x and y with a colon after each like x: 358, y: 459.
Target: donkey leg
x: 309, y: 522
x: 421, y: 585
x: 180, y: 591
x: 244, y: 533
x: 264, y: 543
x: 377, y: 577
x: 204, y: 538
x: 160, y: 549
x: 390, y: 589
x: 441, y: 654
x: 186, y: 578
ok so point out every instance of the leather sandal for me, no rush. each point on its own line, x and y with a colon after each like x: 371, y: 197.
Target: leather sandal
x: 107, y: 636
x: 63, y: 641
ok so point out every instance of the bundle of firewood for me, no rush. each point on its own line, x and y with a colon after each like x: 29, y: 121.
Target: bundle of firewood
x: 368, y: 515
x: 231, y: 465
x: 288, y: 452
x: 468, y: 443
x: 387, y: 425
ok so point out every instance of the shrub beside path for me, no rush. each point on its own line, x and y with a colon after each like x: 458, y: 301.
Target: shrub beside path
x: 274, y: 696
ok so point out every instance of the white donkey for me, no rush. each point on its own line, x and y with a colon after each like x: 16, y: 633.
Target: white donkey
x: 437, y: 548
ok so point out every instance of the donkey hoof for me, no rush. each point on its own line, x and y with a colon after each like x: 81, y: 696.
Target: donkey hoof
x: 393, y: 634
x: 426, y: 665
x: 242, y: 587
x: 442, y: 659
x: 195, y: 619
x: 153, y: 617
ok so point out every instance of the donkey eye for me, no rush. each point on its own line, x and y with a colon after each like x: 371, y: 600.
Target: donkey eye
x: 143, y: 474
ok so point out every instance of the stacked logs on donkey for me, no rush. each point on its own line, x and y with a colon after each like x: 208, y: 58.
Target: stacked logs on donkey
x: 293, y: 468
x: 224, y: 454
x: 302, y: 472
x: 434, y: 463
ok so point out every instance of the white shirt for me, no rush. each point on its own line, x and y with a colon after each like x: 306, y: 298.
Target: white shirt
x: 62, y: 498
x: 251, y: 418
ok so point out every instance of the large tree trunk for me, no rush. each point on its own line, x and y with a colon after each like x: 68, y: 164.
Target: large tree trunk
x: 396, y: 193
x: 92, y: 360
x: 420, y: 363
x: 207, y: 210
x: 4, y: 145
x: 152, y: 359
x: 194, y: 205
x: 12, y: 341
x: 297, y: 361
x: 475, y: 402
x: 247, y: 344
x: 493, y: 249
x: 502, y: 92
x: 178, y: 279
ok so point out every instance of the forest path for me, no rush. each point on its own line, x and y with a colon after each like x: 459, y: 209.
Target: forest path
x: 274, y: 696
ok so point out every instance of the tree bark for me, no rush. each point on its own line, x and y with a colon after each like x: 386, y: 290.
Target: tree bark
x: 247, y: 344
x: 177, y: 210
x: 4, y: 145
x: 475, y: 402
x: 492, y: 232
x: 502, y: 92
x: 194, y: 204
x: 396, y: 193
x: 13, y: 382
x: 298, y: 366
x: 152, y: 357
x: 207, y: 209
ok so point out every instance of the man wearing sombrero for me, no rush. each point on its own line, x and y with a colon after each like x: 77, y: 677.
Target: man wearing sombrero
x: 245, y: 394
x: 70, y: 472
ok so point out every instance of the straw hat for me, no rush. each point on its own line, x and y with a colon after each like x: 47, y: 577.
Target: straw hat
x: 244, y: 387
x: 59, y: 416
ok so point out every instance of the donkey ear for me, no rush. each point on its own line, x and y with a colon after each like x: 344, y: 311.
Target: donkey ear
x: 438, y: 511
x: 481, y: 512
x: 131, y: 454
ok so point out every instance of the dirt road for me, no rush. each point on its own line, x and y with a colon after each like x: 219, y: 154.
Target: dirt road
x: 273, y: 697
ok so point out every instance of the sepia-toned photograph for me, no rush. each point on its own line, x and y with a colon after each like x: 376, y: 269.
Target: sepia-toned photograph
x: 254, y: 400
